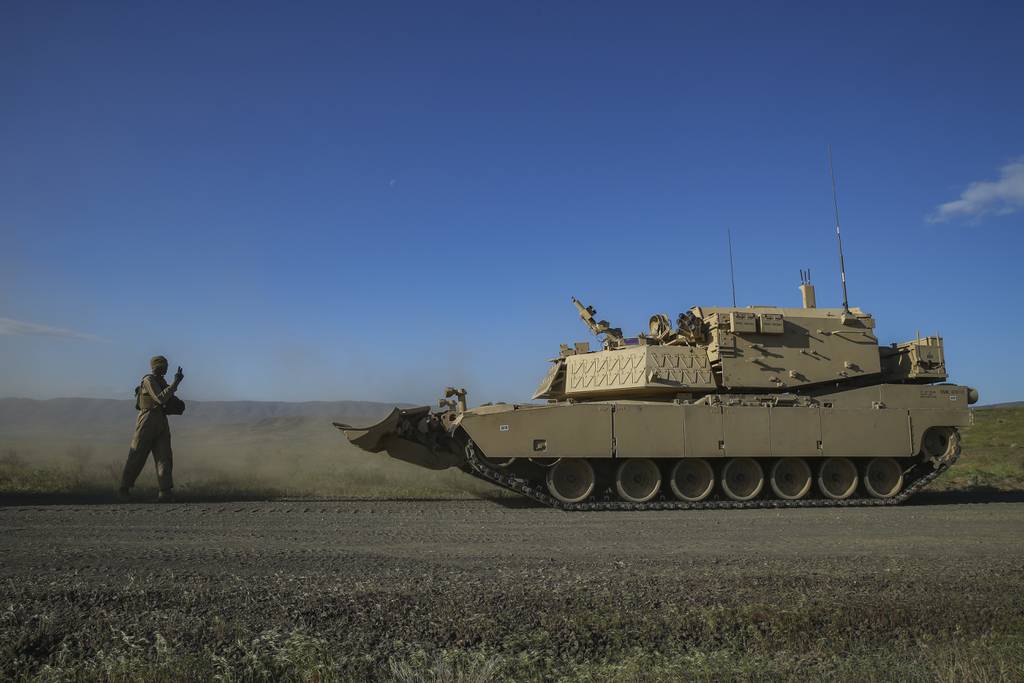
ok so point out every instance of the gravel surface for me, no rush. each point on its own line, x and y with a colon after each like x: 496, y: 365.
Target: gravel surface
x: 366, y: 537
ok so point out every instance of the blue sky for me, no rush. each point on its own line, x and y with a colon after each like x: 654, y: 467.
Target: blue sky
x: 335, y: 201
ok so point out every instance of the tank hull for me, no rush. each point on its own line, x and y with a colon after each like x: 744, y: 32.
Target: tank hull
x: 881, y: 420
x: 885, y: 434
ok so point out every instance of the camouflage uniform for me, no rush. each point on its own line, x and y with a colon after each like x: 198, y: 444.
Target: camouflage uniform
x: 152, y: 433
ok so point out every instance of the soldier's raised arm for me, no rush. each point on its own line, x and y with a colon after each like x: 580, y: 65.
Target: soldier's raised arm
x: 162, y: 396
x: 159, y: 396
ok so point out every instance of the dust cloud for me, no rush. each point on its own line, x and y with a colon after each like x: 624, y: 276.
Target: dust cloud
x: 224, y: 449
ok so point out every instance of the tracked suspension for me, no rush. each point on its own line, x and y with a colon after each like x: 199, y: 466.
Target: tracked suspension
x: 921, y: 474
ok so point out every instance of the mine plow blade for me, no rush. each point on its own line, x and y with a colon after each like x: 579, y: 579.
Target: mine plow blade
x: 406, y: 434
x: 370, y: 438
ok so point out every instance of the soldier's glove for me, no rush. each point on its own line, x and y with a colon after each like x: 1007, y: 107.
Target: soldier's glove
x: 178, y: 376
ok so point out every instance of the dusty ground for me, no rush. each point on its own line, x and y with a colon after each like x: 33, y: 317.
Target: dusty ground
x: 365, y: 588
x: 367, y: 538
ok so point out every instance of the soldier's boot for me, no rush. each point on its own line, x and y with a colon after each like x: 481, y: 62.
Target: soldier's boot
x: 166, y: 496
x: 132, y: 468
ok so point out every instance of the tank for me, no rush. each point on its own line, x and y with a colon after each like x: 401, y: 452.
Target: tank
x: 727, y: 407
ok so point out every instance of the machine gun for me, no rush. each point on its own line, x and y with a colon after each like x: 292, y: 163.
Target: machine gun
x: 613, y: 335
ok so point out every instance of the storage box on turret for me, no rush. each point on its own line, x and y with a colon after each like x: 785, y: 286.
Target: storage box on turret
x: 922, y: 360
x: 775, y: 348
x: 638, y: 371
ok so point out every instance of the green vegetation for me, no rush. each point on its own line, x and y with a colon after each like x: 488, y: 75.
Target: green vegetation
x: 993, y: 453
x: 300, y: 657
x: 278, y: 629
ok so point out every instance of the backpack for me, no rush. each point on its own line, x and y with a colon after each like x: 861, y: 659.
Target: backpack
x: 138, y: 391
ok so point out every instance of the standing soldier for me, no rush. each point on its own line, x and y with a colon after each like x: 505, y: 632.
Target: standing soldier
x: 155, y: 399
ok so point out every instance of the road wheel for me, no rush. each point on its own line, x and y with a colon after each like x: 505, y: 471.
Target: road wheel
x: 692, y: 479
x: 791, y: 478
x: 742, y: 478
x: 637, y: 480
x: 571, y: 481
x: 940, y: 444
x: 837, y: 478
x: 883, y: 477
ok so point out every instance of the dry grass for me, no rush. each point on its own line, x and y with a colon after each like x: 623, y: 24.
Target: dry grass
x: 296, y: 457
x: 278, y: 629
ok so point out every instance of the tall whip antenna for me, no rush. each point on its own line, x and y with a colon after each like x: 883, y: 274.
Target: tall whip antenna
x: 732, y: 271
x: 839, y: 237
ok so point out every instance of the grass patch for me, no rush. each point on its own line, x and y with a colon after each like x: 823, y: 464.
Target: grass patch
x: 276, y: 629
x: 993, y: 453
x: 298, y: 657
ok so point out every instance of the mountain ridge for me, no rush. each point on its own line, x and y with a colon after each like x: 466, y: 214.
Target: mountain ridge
x: 21, y: 413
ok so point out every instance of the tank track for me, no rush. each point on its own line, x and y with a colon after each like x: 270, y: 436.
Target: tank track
x: 479, y: 468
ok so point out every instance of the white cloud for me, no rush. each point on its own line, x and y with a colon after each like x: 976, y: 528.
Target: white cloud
x: 10, y: 327
x: 1000, y: 197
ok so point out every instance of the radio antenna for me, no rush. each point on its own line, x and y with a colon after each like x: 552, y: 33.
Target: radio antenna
x: 732, y: 270
x: 839, y: 236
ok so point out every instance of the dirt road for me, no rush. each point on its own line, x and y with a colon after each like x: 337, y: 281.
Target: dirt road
x: 368, y: 536
x: 762, y: 593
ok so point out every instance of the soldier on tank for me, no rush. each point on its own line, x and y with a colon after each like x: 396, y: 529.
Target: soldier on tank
x: 155, y: 400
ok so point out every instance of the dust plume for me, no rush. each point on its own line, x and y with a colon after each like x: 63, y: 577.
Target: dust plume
x: 221, y: 449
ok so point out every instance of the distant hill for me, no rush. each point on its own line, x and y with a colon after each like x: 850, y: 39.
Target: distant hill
x: 26, y: 416
x: 1011, y: 404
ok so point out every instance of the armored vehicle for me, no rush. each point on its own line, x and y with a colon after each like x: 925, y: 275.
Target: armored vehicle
x: 729, y: 407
